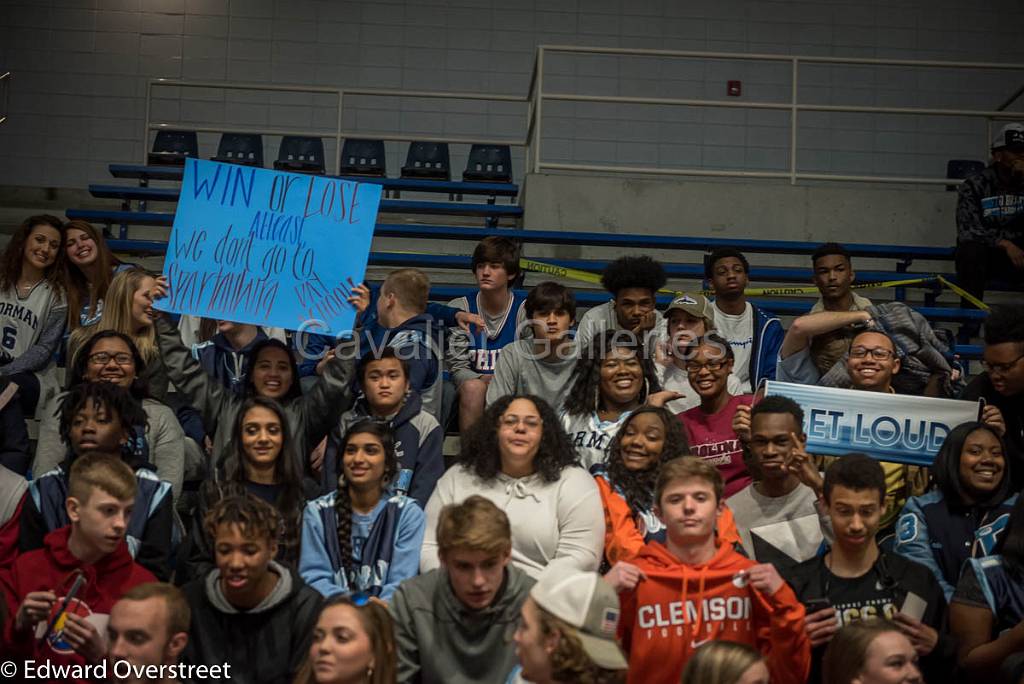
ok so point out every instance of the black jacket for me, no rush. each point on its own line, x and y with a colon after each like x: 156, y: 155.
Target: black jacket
x: 897, y: 576
x: 265, y: 646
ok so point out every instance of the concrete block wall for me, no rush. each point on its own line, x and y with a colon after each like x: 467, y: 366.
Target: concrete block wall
x: 80, y: 69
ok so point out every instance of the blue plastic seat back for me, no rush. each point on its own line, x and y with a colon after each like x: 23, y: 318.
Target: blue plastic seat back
x: 240, y: 148
x: 963, y: 168
x: 489, y: 163
x: 173, y: 147
x: 300, y: 154
x: 427, y: 160
x: 363, y: 158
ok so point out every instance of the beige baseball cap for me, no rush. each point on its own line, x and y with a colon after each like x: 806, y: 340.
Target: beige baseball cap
x: 697, y: 305
x: 590, y: 606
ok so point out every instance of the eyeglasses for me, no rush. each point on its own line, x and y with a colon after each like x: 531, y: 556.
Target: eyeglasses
x: 694, y: 367
x: 531, y: 422
x: 103, y: 358
x: 877, y: 353
x: 1001, y: 368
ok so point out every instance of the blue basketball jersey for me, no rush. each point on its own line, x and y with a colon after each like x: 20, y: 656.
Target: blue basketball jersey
x: 484, y: 348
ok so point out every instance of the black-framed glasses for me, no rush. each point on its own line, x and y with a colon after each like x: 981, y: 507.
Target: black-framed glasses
x: 1001, y: 368
x: 877, y: 353
x: 693, y: 367
x: 103, y: 358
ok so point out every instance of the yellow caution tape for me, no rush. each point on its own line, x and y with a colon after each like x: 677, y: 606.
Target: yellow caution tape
x: 964, y: 293
x: 535, y: 266
x: 588, y: 277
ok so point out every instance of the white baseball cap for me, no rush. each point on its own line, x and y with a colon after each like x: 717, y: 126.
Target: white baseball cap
x: 1010, y: 137
x: 590, y: 606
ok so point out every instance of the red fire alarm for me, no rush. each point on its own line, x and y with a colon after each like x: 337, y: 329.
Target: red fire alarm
x: 734, y: 88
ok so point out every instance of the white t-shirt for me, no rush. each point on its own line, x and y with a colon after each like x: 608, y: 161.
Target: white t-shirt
x: 739, y: 333
x: 602, y: 317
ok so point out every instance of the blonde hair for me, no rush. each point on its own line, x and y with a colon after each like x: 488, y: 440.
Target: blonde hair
x: 569, y: 662
x: 117, y: 316
x: 847, y: 652
x: 685, y: 468
x: 720, y: 662
x: 476, y: 524
x: 109, y: 474
x: 410, y: 286
x: 380, y: 628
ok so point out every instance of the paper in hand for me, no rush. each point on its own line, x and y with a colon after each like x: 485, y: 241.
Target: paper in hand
x: 914, y: 606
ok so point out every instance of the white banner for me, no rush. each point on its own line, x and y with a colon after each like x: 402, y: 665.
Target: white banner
x: 889, y: 427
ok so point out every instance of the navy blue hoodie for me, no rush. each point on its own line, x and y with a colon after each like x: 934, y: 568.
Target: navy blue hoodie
x: 417, y: 342
x: 418, y: 440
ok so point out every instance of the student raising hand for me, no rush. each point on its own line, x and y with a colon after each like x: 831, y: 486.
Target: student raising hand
x: 741, y: 423
x: 801, y: 464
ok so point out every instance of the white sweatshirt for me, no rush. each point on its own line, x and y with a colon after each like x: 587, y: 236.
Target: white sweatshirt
x: 552, y: 522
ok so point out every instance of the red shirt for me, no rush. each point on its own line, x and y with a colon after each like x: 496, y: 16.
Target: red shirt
x: 712, y: 438
x: 52, y: 568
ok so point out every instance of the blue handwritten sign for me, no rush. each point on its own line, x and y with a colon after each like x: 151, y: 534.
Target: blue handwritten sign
x: 889, y: 427
x: 269, y: 248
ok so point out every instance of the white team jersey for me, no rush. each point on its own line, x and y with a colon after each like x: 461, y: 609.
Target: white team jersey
x: 22, y: 319
x: 591, y: 436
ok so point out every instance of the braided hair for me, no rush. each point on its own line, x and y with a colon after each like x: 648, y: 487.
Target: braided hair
x: 637, y: 486
x: 342, y: 499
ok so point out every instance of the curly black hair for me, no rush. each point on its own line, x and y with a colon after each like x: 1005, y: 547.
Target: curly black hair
x: 584, y: 393
x: 723, y: 253
x: 109, y: 396
x: 633, y: 271
x: 480, y: 452
x: 637, y: 487
x: 138, y: 388
x: 1005, y: 323
x: 342, y: 499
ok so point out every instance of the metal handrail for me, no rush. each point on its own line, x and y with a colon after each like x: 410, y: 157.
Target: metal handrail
x: 5, y: 78
x: 338, y: 133
x: 537, y: 97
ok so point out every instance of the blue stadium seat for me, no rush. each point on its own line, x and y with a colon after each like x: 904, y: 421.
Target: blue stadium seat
x: 363, y: 158
x: 489, y: 163
x: 301, y: 155
x: 240, y: 148
x: 962, y: 168
x: 428, y: 160
x: 171, y: 148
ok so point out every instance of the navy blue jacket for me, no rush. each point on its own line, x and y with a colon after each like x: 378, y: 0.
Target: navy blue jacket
x: 942, y: 537
x: 150, y: 530
x: 764, y: 352
x: 418, y: 440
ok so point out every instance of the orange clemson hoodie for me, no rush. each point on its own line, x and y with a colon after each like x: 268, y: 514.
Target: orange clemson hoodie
x: 679, y: 607
x: 625, y: 533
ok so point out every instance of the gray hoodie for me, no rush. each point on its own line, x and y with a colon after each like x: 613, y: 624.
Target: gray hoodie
x: 440, y: 640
